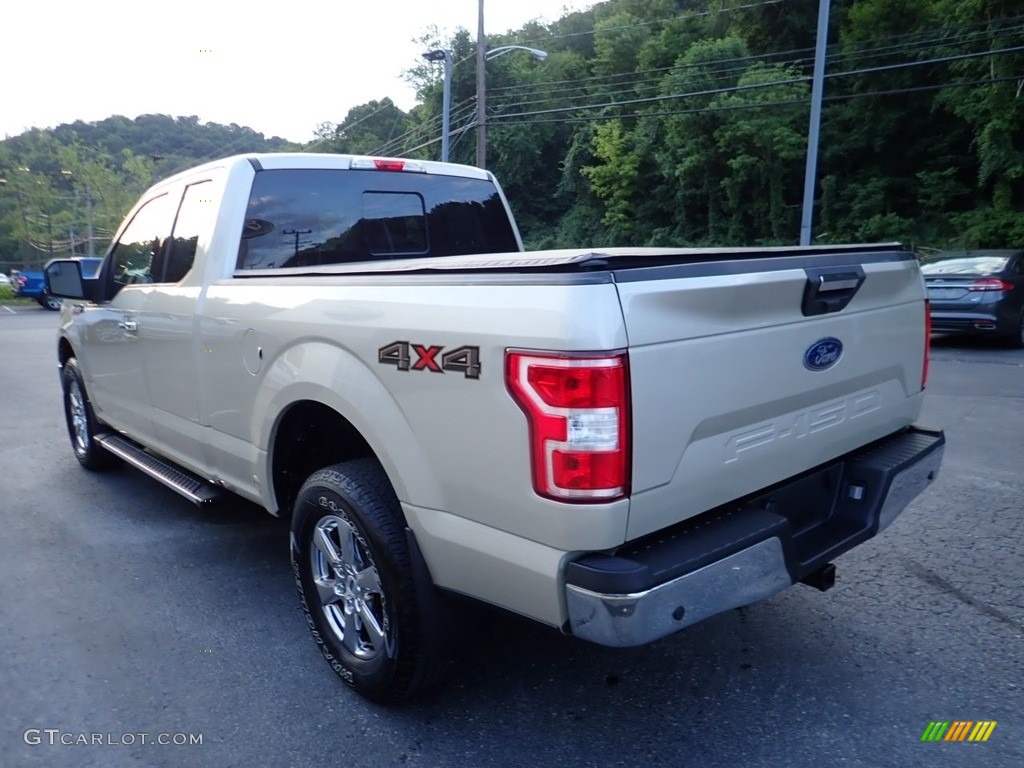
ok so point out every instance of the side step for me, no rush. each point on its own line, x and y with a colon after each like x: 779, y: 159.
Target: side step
x: 174, y: 477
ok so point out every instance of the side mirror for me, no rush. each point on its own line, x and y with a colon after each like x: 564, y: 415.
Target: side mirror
x: 64, y: 279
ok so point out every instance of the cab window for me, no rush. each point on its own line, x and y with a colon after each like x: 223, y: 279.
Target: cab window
x: 138, y: 255
x: 192, y: 214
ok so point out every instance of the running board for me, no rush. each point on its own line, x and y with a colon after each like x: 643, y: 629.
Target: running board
x: 174, y: 477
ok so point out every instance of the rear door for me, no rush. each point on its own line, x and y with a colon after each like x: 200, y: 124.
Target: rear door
x: 168, y: 330
x: 747, y: 371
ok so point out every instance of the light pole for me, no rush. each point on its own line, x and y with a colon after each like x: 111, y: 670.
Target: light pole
x: 817, y: 88
x: 481, y: 86
x: 446, y: 108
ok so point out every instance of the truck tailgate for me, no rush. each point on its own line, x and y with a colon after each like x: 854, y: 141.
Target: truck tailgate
x: 735, y: 386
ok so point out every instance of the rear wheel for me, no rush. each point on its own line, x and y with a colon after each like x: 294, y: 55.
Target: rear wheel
x: 82, y: 422
x: 1015, y: 340
x: 354, y: 573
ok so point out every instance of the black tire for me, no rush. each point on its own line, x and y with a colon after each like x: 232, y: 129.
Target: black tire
x: 83, y: 425
x: 348, y: 535
x: 52, y: 303
x: 1015, y: 339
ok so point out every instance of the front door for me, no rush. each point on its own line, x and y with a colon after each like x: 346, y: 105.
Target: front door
x: 112, y: 360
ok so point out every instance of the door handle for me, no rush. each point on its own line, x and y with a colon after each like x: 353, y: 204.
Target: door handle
x: 830, y: 289
x: 128, y: 326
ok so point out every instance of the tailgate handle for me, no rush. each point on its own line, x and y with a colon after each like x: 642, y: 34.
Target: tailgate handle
x: 830, y: 289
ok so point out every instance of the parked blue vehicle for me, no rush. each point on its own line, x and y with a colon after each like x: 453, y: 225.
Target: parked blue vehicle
x: 31, y: 285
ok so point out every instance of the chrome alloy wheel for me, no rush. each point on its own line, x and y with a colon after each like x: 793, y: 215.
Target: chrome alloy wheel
x: 79, y: 418
x: 349, y: 588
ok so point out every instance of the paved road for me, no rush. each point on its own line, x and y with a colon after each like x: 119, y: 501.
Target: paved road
x: 125, y: 610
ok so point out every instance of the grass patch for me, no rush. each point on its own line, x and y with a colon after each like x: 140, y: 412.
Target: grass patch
x: 7, y: 297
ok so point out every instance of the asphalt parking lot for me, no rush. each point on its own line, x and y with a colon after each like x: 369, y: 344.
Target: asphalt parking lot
x: 125, y: 610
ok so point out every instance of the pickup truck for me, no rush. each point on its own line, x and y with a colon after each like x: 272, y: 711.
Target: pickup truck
x: 32, y: 283
x: 617, y: 443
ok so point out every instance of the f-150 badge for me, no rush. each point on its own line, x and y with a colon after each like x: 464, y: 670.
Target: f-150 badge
x: 464, y: 360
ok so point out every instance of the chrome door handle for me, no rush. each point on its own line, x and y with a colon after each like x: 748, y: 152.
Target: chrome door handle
x: 128, y: 326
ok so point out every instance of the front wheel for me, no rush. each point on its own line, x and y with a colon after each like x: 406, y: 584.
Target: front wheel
x: 356, y: 582
x: 82, y: 422
x: 49, y: 302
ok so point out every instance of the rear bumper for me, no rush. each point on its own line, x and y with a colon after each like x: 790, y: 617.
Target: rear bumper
x: 748, y: 551
x: 991, y: 319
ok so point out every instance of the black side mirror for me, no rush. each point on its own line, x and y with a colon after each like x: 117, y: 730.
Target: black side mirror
x: 64, y: 279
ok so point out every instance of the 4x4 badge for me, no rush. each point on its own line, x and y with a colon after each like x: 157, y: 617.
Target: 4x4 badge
x: 464, y: 360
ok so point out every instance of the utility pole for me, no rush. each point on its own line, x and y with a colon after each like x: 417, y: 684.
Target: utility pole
x: 298, y: 233
x: 818, y: 86
x: 481, y: 91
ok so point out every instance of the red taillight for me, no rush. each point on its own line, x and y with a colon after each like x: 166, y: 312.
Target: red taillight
x: 578, y: 412
x: 927, y: 342
x: 990, y: 284
x: 388, y: 165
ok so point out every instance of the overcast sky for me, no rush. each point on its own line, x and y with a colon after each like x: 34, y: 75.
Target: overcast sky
x: 281, y: 67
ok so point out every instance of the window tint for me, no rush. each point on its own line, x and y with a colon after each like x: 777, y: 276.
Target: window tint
x: 138, y: 255
x: 395, y: 223
x: 192, y: 214
x: 299, y: 218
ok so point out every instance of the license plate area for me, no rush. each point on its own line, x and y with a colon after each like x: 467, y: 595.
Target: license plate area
x: 946, y: 293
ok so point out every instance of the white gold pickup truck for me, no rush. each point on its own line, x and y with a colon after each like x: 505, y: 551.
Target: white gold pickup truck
x: 617, y: 443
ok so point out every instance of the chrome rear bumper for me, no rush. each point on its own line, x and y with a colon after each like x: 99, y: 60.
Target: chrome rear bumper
x: 756, y: 549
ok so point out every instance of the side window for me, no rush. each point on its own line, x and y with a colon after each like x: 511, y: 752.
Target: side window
x: 394, y: 223
x: 138, y: 254
x: 192, y: 214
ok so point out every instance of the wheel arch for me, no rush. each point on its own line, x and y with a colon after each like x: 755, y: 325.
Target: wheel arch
x: 309, y: 436
x: 64, y: 350
x: 325, y: 397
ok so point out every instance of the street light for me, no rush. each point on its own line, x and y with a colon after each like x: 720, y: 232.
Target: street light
x: 481, y: 84
x: 446, y: 109
x: 494, y: 53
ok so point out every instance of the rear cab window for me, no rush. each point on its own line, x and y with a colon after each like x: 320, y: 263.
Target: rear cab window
x: 315, y: 217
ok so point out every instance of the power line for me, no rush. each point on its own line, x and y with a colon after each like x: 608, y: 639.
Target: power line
x: 777, y: 103
x: 755, y: 86
x: 645, y: 79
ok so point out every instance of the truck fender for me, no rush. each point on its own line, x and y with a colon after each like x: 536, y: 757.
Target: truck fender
x: 326, y: 373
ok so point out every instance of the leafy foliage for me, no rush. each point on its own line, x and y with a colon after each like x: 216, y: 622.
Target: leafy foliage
x: 60, y: 183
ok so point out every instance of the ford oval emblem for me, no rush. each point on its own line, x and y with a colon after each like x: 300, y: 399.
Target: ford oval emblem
x: 823, y: 354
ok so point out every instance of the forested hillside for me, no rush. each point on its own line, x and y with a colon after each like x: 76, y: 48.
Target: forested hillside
x: 681, y: 122
x: 59, y: 184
